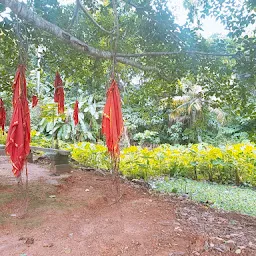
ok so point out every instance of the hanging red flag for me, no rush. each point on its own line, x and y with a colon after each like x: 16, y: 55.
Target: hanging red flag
x: 75, y: 113
x: 59, y: 93
x: 112, y: 122
x: 2, y: 115
x: 34, y: 101
x: 18, y: 139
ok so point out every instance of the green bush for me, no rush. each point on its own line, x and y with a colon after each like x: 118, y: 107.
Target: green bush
x: 39, y: 140
x: 147, y: 137
x: 230, y: 164
x: 2, y: 137
x: 92, y: 155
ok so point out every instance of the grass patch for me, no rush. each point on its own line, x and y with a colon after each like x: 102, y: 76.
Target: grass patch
x: 227, y: 197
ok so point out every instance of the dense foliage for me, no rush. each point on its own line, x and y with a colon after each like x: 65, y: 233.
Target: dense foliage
x: 61, y: 127
x: 231, y: 164
x: 224, y: 67
x: 2, y: 138
x: 178, y: 88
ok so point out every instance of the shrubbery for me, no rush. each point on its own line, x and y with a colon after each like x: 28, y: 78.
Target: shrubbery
x: 92, y: 155
x: 2, y: 137
x: 39, y: 140
x: 230, y: 164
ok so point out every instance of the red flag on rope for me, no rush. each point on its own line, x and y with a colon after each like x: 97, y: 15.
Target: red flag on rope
x: 75, y: 113
x: 2, y: 115
x: 34, y: 101
x: 112, y: 122
x: 59, y: 93
x: 18, y: 139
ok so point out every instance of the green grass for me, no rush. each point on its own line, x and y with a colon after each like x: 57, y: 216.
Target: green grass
x: 227, y: 197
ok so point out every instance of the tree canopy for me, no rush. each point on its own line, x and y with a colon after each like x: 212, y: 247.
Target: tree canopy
x: 152, y: 52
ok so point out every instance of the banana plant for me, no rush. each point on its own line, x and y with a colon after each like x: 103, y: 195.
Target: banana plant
x: 61, y: 127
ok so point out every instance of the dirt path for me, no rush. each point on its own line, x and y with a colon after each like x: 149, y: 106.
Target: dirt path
x: 36, y: 172
x: 78, y: 217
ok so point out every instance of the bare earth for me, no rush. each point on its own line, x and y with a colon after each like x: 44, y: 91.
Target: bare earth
x: 77, y: 215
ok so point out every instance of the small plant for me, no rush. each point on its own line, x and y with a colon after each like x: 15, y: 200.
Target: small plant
x: 147, y: 137
x: 3, y: 137
x: 174, y: 190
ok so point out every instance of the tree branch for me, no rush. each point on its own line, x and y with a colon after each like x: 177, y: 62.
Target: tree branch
x: 92, y: 19
x: 35, y: 20
x: 116, y: 35
x: 157, y: 54
x: 74, y: 15
x: 24, y: 13
x: 133, y: 4
x: 141, y: 10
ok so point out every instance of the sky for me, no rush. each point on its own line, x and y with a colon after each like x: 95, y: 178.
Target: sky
x: 209, y: 25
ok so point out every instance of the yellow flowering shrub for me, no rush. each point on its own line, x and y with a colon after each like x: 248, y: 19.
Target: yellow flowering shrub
x: 230, y: 164
x: 92, y: 155
x: 2, y: 137
x: 39, y: 140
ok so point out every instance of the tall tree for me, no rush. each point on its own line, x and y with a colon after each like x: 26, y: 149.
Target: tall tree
x: 80, y: 40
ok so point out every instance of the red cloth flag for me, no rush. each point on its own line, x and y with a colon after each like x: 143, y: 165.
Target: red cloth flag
x: 34, y: 101
x: 75, y: 113
x: 2, y: 115
x: 59, y: 93
x: 112, y: 122
x: 18, y: 139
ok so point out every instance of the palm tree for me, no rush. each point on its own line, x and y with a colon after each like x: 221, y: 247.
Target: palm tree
x: 190, y: 108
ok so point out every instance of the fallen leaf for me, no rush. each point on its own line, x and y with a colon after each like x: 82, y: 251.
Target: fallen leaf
x: 67, y: 250
x: 29, y: 240
x: 238, y: 251
x: 48, y: 245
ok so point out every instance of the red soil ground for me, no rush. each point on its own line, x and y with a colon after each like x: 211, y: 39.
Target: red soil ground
x: 78, y: 215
